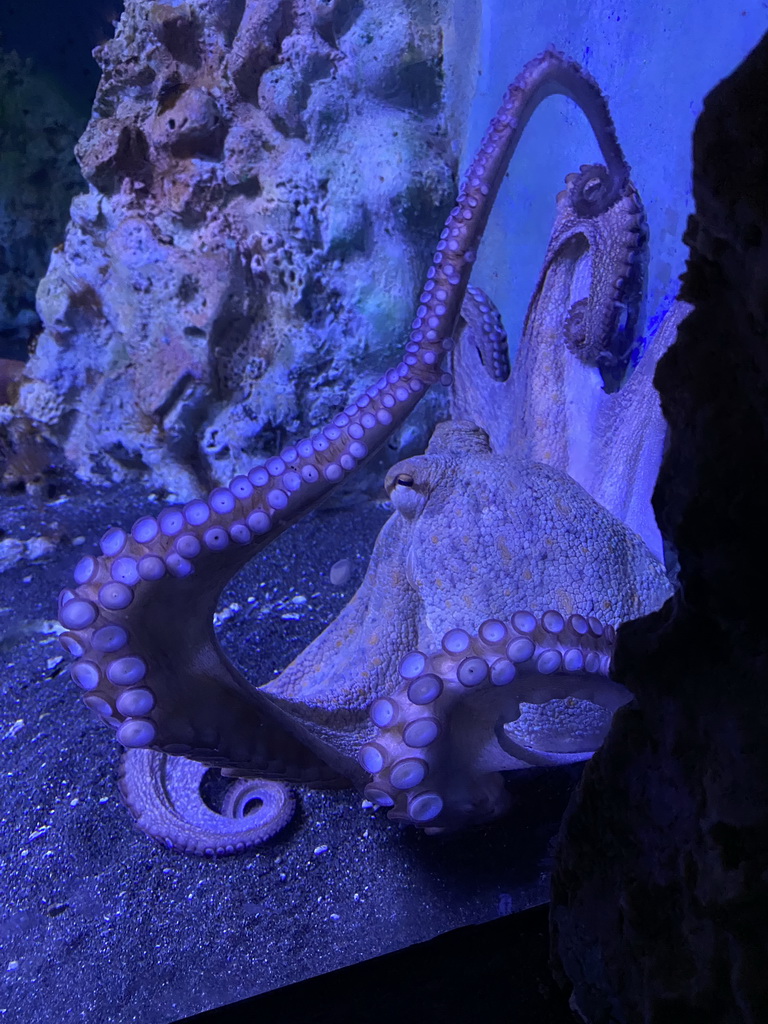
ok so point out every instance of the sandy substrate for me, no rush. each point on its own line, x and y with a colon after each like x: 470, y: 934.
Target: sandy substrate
x: 100, y: 924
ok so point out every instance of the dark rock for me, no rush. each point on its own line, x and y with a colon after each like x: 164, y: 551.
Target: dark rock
x: 660, y: 888
x: 179, y: 31
x: 258, y: 42
x: 109, y: 152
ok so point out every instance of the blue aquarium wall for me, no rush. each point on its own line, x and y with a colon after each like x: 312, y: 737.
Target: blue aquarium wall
x: 654, y: 61
x: 47, y: 83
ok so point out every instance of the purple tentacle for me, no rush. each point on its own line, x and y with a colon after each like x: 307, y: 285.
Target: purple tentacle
x: 163, y: 794
x: 462, y: 693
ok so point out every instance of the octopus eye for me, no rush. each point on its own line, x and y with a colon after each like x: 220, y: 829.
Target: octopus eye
x: 404, y: 480
x: 591, y: 190
x: 576, y: 338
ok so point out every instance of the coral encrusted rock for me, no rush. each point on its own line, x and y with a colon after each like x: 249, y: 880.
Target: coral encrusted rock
x: 266, y: 181
x: 660, y: 889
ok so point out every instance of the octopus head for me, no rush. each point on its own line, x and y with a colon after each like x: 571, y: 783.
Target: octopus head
x: 507, y: 673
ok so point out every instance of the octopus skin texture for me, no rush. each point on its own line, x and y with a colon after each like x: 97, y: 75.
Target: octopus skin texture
x: 480, y: 639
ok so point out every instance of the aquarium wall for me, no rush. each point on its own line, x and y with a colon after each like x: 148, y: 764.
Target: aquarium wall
x: 656, y: 63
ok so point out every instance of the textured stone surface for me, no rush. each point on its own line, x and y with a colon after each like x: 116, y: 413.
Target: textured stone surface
x: 660, y: 898
x: 266, y: 180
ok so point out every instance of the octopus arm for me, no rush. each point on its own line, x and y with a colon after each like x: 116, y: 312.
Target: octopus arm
x: 163, y: 794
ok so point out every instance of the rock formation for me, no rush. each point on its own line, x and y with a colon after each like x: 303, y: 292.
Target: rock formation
x: 265, y: 181
x: 660, y: 889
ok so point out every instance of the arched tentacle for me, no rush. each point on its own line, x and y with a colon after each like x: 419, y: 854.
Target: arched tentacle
x: 530, y: 690
x: 162, y: 792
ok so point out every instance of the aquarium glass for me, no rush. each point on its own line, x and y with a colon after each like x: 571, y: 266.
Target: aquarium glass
x: 228, y: 307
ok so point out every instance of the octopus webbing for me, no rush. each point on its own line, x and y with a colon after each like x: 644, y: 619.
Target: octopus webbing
x: 480, y: 639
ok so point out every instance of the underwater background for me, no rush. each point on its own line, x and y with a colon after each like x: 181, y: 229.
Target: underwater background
x: 95, y: 918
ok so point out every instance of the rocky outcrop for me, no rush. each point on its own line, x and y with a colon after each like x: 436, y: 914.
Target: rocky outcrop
x: 660, y: 888
x: 266, y: 179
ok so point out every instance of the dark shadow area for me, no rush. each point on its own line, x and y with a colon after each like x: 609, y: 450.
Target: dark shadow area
x: 63, y: 49
x: 482, y: 973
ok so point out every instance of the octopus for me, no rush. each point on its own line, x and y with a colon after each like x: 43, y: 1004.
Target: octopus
x: 480, y: 639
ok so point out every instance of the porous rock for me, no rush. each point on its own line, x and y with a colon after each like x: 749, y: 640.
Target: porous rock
x: 266, y: 181
x: 660, y: 887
